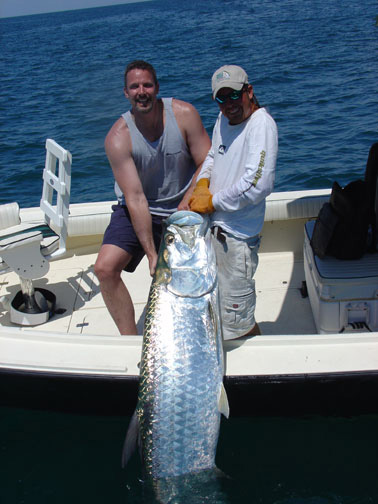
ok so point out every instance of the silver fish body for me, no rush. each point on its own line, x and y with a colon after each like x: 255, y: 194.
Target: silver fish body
x: 181, y: 390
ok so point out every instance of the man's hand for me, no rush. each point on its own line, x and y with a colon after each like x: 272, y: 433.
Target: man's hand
x: 202, y: 199
x: 152, y: 261
x: 184, y: 203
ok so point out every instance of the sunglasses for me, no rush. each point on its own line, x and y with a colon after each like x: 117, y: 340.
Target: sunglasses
x: 234, y: 95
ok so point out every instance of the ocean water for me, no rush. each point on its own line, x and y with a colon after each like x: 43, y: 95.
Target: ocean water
x: 59, y: 458
x: 314, y: 64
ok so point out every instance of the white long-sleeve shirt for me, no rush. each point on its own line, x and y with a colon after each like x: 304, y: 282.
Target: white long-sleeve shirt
x: 241, y: 167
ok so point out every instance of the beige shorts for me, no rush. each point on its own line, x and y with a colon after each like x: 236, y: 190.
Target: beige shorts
x: 237, y: 261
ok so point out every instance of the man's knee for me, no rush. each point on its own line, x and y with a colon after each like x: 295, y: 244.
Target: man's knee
x: 102, y: 271
x: 110, y: 263
x: 106, y: 269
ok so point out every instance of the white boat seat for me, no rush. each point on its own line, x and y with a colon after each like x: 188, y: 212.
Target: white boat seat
x: 343, y: 294
x: 27, y: 248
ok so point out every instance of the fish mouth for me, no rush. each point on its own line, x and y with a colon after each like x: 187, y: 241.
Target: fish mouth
x: 184, y: 218
x: 187, y: 218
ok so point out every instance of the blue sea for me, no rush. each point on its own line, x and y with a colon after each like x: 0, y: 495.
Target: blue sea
x: 313, y: 63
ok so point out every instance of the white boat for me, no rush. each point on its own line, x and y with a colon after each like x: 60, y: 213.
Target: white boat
x: 304, y: 361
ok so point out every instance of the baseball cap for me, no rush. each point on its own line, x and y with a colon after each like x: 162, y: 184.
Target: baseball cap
x: 231, y: 76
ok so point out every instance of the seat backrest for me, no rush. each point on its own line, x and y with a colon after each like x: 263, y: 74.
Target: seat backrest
x: 9, y: 215
x: 55, y: 199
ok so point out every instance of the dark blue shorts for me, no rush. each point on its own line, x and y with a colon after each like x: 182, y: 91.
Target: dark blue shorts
x: 120, y: 232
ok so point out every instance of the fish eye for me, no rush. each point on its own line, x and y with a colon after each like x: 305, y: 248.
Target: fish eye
x: 169, y: 239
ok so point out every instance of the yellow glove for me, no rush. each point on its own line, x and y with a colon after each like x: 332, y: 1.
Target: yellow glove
x: 203, y: 182
x: 201, y: 200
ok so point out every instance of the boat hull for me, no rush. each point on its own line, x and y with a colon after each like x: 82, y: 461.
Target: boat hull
x: 351, y: 393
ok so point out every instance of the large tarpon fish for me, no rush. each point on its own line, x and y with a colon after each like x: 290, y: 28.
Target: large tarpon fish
x: 181, y: 392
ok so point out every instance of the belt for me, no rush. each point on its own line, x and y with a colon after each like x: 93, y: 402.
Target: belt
x: 219, y: 233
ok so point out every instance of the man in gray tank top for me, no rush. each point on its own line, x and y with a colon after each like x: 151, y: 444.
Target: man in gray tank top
x: 156, y: 151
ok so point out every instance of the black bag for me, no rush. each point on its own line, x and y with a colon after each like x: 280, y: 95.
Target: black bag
x: 351, y: 204
x: 371, y: 177
x: 341, y: 229
x: 324, y: 228
x: 342, y: 226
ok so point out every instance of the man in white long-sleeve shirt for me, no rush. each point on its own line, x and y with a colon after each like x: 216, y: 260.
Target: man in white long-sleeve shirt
x: 236, y: 177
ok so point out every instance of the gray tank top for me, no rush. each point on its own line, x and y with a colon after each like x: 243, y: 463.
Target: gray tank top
x: 166, y: 170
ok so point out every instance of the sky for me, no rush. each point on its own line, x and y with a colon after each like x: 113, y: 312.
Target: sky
x: 9, y: 8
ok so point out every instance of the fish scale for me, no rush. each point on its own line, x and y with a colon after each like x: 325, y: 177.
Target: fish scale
x: 173, y: 393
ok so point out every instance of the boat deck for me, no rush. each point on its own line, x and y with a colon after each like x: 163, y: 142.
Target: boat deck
x: 82, y: 338
x: 280, y: 306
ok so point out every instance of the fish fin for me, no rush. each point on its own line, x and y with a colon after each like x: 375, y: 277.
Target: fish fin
x: 223, y: 406
x: 220, y: 474
x: 131, y: 440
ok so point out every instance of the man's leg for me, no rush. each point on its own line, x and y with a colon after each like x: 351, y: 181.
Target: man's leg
x: 237, y: 261
x: 255, y: 331
x: 110, y: 263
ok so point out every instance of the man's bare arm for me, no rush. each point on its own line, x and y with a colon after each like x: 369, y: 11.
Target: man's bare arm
x: 196, y: 138
x: 118, y: 150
